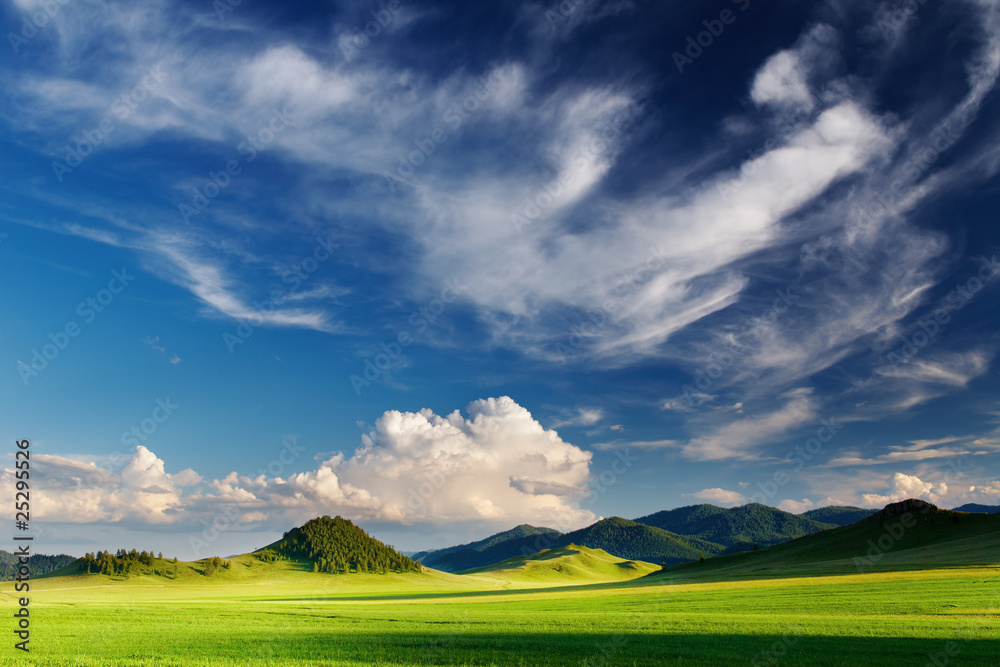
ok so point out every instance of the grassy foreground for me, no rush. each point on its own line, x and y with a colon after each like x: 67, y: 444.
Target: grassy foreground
x: 278, y: 614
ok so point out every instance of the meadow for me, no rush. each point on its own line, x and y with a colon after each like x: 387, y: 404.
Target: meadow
x: 281, y: 614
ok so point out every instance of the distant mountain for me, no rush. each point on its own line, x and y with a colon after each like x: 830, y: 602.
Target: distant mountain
x: 909, y: 535
x: 40, y: 564
x: 973, y: 507
x: 338, y: 546
x: 636, y: 541
x: 519, y: 541
x: 736, y: 528
x: 838, y: 514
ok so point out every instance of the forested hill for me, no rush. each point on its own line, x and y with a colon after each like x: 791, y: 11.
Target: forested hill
x: 636, y: 541
x: 837, y: 514
x: 336, y: 545
x: 40, y: 564
x: 520, y: 541
x: 735, y: 528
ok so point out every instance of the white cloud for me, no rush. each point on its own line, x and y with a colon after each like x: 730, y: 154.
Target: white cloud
x: 904, y: 486
x: 739, y: 439
x: 718, y: 495
x: 638, y: 444
x: 782, y: 81
x: 796, y: 506
x: 498, y: 465
x: 955, y: 491
x: 583, y: 417
x: 78, y: 492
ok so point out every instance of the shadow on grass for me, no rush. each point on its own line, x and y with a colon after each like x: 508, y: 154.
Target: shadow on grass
x: 466, y: 644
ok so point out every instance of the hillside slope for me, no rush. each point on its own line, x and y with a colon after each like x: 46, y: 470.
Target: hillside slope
x: 903, y: 536
x: 736, y: 528
x: 566, y: 565
x: 518, y: 541
x: 40, y: 564
x: 838, y: 514
x: 976, y: 508
x: 635, y: 541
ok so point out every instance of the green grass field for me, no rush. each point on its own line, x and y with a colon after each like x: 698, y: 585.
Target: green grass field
x: 569, y: 606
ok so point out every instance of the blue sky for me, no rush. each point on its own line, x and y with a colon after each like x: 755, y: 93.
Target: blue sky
x: 487, y: 265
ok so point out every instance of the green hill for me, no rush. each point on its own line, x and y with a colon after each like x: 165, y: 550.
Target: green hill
x: 737, y: 528
x: 635, y: 541
x: 518, y: 541
x: 338, y: 546
x: 838, y: 514
x: 973, y: 507
x: 566, y: 565
x: 911, y: 535
x: 40, y: 564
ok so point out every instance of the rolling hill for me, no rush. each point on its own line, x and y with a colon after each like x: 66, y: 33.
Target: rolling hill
x: 566, y: 565
x: 910, y: 535
x: 518, y: 541
x: 838, y: 514
x: 338, y: 546
x: 737, y: 528
x: 636, y: 541
x: 973, y: 507
x: 40, y: 564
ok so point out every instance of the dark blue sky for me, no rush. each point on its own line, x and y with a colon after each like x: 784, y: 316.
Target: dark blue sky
x: 494, y: 263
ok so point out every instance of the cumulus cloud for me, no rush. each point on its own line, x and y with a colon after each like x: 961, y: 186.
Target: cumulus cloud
x: 902, y: 486
x: 83, y: 492
x: 946, y: 494
x: 796, y: 506
x: 718, y: 495
x: 496, y: 465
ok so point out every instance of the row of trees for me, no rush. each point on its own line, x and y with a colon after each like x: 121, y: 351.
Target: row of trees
x: 126, y: 563
x: 338, y: 546
x: 40, y: 564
